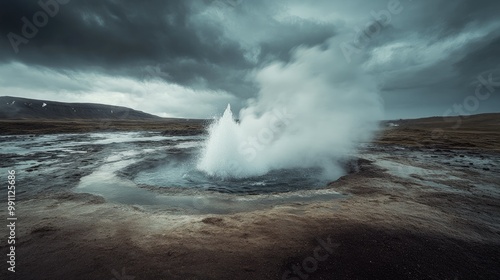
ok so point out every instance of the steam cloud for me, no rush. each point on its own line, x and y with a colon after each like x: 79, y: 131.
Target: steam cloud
x: 311, y: 112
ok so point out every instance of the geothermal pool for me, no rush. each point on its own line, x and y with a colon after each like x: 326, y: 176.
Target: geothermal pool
x: 179, y: 171
x: 151, y: 170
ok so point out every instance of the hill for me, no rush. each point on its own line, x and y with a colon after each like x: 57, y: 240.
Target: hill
x: 12, y: 108
x: 470, y: 122
x: 462, y: 132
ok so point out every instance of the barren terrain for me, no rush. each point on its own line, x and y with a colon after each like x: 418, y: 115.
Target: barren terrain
x: 421, y: 205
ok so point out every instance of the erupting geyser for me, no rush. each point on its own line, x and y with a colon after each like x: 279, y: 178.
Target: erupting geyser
x: 311, y: 112
x: 221, y: 154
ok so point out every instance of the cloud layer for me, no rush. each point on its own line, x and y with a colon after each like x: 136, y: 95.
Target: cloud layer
x: 192, y: 57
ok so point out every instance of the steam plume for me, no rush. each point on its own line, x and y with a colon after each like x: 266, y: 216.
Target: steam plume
x: 310, y: 112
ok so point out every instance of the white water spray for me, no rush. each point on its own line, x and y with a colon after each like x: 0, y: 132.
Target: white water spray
x: 311, y: 112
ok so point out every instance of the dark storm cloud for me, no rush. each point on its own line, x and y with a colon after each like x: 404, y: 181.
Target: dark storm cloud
x: 443, y: 46
x: 454, y: 16
x: 124, y: 37
x: 116, y: 36
x: 426, y: 58
x: 298, y: 34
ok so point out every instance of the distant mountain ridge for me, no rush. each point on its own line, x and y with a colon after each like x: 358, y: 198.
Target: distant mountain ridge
x: 25, y: 108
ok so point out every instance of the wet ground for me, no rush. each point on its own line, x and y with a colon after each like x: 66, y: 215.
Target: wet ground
x: 98, y: 203
x: 150, y: 170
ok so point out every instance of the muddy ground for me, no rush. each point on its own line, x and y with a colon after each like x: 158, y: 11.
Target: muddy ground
x: 416, y: 208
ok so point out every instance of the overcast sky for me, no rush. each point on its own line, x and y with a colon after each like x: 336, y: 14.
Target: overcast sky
x: 187, y: 58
